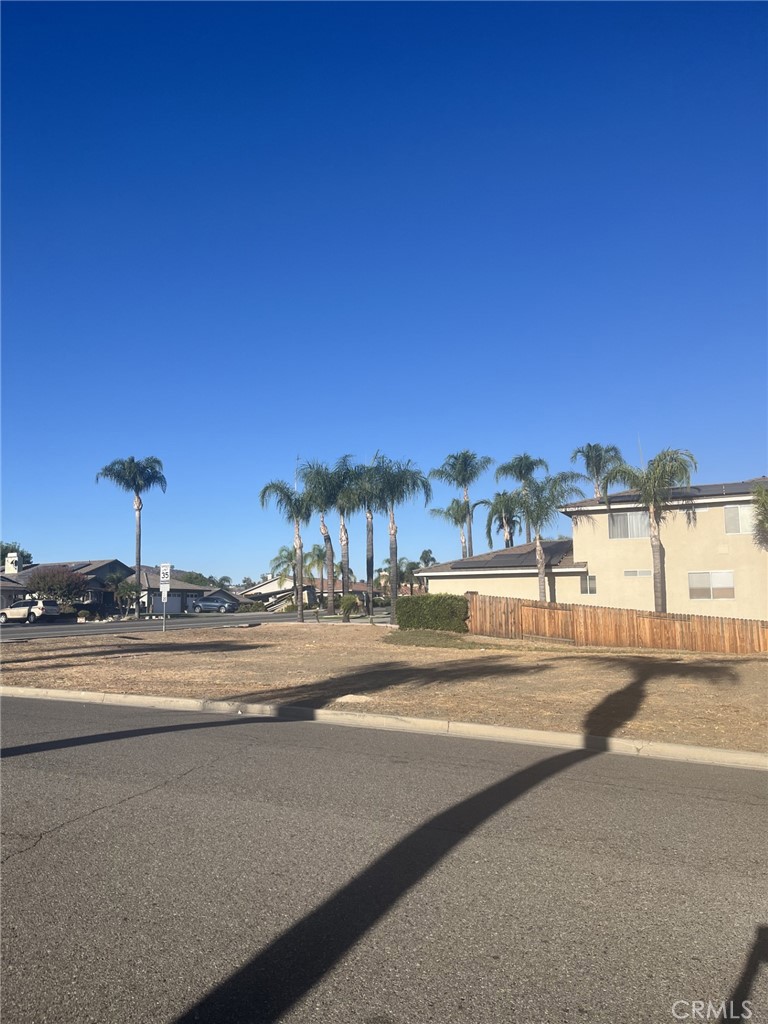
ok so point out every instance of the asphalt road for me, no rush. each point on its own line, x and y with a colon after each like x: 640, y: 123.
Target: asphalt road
x: 13, y: 631
x: 164, y: 867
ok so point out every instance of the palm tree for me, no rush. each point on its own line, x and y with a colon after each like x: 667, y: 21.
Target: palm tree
x: 121, y: 590
x: 598, y: 460
x: 315, y: 563
x: 426, y: 558
x: 283, y: 565
x: 399, y: 482
x: 363, y: 493
x: 296, y: 509
x: 540, y: 501
x: 456, y: 513
x: 505, y: 513
x: 667, y: 472
x: 460, y: 470
x: 345, y: 497
x: 220, y: 582
x: 135, y: 476
x: 321, y: 486
x: 521, y: 468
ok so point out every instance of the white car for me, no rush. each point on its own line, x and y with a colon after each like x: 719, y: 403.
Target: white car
x: 29, y: 611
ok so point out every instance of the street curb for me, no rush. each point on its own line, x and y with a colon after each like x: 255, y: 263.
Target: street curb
x: 397, y: 723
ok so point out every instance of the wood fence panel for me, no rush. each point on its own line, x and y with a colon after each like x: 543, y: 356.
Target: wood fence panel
x: 588, y: 626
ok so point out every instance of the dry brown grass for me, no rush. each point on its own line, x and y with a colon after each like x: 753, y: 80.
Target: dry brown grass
x: 714, y: 701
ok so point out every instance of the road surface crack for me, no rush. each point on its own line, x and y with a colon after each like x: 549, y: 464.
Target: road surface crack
x: 39, y: 836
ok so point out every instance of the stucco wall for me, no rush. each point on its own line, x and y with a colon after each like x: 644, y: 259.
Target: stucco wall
x: 704, y: 547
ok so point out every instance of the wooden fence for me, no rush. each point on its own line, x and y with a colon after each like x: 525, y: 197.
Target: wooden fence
x: 587, y: 626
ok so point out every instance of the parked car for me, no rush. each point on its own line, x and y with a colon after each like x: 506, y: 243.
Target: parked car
x: 30, y: 611
x: 214, y: 604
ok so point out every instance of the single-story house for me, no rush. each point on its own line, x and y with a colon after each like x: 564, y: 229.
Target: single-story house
x: 712, y: 565
x: 181, y: 595
x: 15, y: 585
x: 508, y: 572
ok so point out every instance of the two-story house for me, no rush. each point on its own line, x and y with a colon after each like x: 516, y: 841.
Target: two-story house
x: 712, y: 565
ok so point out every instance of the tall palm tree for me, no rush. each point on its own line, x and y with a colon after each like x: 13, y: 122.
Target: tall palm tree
x: 321, y: 486
x: 399, y: 482
x: 363, y: 493
x: 521, y: 468
x: 667, y: 472
x: 598, y: 459
x: 505, y: 514
x: 456, y: 513
x: 345, y: 497
x: 315, y: 563
x: 540, y: 501
x: 461, y: 469
x: 135, y: 476
x: 296, y: 509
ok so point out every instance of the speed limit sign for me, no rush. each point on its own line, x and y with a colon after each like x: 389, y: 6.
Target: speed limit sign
x: 165, y: 572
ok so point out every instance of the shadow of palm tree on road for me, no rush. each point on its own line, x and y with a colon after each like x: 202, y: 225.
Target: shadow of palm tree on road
x: 280, y: 975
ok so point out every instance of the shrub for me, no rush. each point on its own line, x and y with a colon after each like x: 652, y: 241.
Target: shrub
x: 251, y: 606
x: 448, y: 612
x: 349, y: 604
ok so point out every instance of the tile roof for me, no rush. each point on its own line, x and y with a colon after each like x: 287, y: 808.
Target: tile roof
x: 523, y: 556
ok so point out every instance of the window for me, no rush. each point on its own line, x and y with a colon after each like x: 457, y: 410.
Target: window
x: 739, y: 519
x: 628, y: 525
x: 638, y: 572
x: 588, y: 584
x: 710, y: 586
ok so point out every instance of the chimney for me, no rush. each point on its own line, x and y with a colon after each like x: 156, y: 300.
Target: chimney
x: 12, y: 563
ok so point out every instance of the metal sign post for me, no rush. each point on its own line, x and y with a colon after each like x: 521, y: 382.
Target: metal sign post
x: 165, y: 586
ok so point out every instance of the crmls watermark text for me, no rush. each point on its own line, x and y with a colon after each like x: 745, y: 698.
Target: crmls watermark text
x: 698, y: 1009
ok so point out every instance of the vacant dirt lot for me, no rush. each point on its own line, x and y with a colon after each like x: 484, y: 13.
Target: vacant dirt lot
x: 714, y: 701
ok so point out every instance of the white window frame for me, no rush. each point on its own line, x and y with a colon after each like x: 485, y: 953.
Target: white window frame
x: 632, y: 573
x: 638, y: 525
x: 744, y: 516
x: 712, y: 588
x: 588, y: 585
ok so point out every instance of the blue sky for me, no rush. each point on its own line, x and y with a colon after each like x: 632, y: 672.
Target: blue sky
x: 238, y: 234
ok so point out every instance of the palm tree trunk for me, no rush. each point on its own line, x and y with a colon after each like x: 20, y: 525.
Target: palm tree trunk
x: 469, y: 523
x: 393, y: 567
x: 507, y: 535
x: 659, y: 567
x: 541, y: 569
x: 344, y: 542
x: 463, y: 540
x: 369, y: 558
x: 299, y: 575
x: 328, y: 561
x: 137, y: 507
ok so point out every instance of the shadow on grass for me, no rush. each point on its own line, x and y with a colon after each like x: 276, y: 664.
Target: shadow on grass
x: 383, y: 675
x: 119, y: 651
x: 284, y: 972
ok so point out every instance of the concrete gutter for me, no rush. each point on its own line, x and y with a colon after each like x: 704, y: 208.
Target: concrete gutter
x: 398, y: 723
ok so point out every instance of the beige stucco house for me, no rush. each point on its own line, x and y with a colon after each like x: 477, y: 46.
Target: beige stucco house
x: 713, y: 566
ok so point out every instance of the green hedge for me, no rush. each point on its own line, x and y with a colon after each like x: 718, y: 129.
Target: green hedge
x: 447, y: 612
